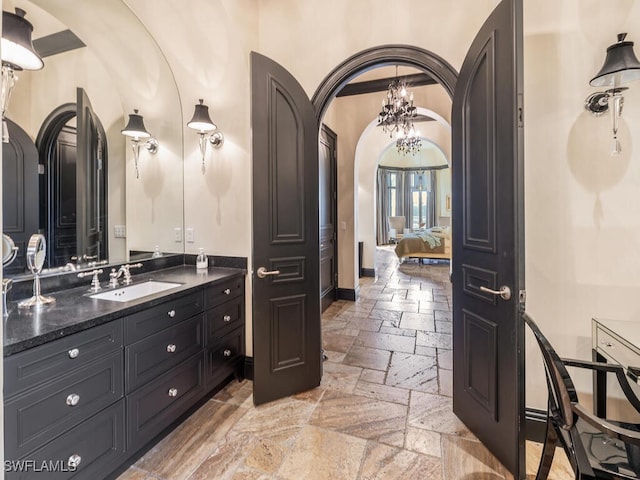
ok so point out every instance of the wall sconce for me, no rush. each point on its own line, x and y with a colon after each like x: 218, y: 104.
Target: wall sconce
x: 201, y: 122
x: 620, y: 66
x: 135, y: 131
x: 17, y: 54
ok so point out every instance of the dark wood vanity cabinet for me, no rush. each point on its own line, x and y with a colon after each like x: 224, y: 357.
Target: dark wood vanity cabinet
x: 59, y: 392
x: 164, y: 351
x: 93, y: 399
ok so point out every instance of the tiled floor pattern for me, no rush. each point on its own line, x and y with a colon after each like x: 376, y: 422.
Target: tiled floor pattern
x: 383, y: 410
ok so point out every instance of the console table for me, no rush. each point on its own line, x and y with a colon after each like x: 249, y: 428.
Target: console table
x: 614, y: 341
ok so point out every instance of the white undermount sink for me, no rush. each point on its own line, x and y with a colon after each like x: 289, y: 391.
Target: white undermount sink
x: 136, y: 291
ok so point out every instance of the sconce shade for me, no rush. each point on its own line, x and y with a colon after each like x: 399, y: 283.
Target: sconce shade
x: 17, y: 49
x: 135, y: 128
x: 201, y: 120
x: 620, y: 65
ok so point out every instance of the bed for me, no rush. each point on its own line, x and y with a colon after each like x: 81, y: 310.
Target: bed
x: 433, y: 243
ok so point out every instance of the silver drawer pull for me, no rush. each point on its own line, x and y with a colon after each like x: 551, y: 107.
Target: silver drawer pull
x: 227, y: 291
x: 171, y: 348
x: 73, y: 399
x: 227, y: 318
x: 171, y: 313
x: 173, y: 392
x: 74, y: 352
x: 227, y: 353
x: 74, y: 461
x: 607, y: 344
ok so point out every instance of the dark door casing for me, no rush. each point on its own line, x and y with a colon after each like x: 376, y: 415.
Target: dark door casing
x: 327, y: 159
x: 488, y: 238
x: 286, y: 306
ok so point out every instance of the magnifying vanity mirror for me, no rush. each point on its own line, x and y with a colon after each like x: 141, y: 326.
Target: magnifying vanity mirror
x: 79, y: 188
x: 35, y: 256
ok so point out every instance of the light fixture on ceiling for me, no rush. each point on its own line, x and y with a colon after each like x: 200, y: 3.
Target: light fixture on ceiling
x: 408, y: 140
x: 17, y: 54
x: 136, y: 131
x: 397, y: 107
x: 620, y: 66
x: 206, y: 129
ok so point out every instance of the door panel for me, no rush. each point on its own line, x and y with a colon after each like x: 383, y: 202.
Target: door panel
x: 328, y: 214
x: 19, y: 192
x: 90, y: 183
x: 286, y: 304
x: 488, y: 247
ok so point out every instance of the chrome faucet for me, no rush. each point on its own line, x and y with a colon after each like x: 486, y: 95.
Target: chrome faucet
x: 123, y: 271
x: 7, y: 283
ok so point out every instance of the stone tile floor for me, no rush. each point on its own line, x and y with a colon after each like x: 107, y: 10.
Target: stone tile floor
x: 383, y: 410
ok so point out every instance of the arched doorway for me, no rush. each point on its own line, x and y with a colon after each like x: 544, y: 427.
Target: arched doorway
x: 385, y: 55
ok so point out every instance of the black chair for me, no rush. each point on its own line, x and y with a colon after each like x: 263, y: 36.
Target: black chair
x: 596, y: 448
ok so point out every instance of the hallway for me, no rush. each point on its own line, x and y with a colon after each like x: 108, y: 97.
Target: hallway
x: 383, y: 410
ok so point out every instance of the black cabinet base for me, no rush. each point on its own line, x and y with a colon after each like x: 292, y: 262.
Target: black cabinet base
x: 133, y: 457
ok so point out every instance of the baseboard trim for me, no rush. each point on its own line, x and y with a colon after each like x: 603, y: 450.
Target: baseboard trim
x: 535, y: 424
x: 347, y: 294
x: 248, y: 368
x: 368, y: 272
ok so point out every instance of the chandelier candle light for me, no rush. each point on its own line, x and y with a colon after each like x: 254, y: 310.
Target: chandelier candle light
x: 396, y: 116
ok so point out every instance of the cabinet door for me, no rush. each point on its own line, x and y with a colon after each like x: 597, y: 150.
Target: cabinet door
x: 156, y: 354
x: 42, y: 414
x: 167, y: 314
x: 32, y: 367
x: 153, y: 407
x: 224, y: 357
x: 95, y: 446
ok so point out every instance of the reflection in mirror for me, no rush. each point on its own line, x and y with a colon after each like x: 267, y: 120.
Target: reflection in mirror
x: 114, y: 215
x: 9, y: 250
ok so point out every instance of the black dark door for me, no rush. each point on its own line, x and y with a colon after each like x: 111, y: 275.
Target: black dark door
x: 19, y: 192
x: 488, y: 233
x: 327, y: 159
x: 90, y: 183
x: 62, y: 244
x: 286, y: 298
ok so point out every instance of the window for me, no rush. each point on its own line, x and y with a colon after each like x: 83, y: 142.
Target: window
x: 420, y: 185
x: 392, y: 194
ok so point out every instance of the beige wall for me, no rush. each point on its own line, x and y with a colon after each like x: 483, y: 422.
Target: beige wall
x: 582, y: 205
x: 360, y: 146
x: 582, y: 218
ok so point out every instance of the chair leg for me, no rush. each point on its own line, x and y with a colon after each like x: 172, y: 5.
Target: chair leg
x: 548, y: 451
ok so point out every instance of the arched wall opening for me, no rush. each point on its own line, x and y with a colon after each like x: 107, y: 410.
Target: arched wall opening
x: 386, y: 55
x: 370, y: 150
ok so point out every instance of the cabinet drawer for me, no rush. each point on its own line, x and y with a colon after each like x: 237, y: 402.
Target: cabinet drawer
x: 44, y: 363
x: 152, y: 408
x: 223, y: 291
x: 141, y: 325
x: 616, y: 351
x: 156, y: 354
x: 97, y: 443
x: 33, y: 419
x: 224, y: 317
x: 223, y: 358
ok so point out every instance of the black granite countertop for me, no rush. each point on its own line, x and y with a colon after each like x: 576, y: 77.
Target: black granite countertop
x: 75, y: 311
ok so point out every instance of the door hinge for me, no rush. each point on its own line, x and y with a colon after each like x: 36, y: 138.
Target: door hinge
x: 335, y: 236
x: 520, y: 111
x: 522, y: 296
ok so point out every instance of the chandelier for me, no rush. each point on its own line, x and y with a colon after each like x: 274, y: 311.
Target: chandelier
x: 407, y: 140
x: 397, y: 107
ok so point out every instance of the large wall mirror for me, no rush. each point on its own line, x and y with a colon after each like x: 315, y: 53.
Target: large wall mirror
x: 68, y: 172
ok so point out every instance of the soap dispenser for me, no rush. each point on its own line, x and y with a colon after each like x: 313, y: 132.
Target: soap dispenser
x: 201, y: 260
